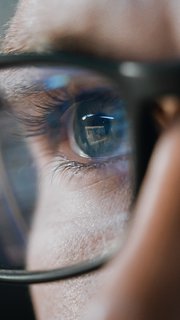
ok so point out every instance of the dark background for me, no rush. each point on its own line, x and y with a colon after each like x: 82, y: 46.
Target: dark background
x: 14, y: 300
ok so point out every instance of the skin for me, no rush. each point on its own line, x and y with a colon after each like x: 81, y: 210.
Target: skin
x: 143, y: 281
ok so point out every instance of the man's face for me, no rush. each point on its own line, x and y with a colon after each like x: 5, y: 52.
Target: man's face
x: 123, y: 30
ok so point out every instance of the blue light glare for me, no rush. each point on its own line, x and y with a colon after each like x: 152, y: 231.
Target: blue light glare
x: 56, y: 81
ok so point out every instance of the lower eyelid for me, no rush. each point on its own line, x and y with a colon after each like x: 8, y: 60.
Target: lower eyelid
x: 93, y: 171
x: 64, y: 160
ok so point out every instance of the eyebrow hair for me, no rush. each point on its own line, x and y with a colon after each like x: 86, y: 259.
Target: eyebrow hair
x: 94, y: 37
x: 127, y: 32
x: 18, y: 43
x: 14, y: 43
x: 20, y: 39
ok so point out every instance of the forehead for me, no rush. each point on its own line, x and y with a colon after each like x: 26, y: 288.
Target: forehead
x: 124, y: 29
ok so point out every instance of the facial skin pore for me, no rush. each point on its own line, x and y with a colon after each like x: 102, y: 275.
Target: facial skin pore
x: 129, y: 30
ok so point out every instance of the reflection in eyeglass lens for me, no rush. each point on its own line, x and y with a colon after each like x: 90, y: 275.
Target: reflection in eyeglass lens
x: 65, y: 174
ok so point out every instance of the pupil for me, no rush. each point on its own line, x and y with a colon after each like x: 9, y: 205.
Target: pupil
x: 100, y: 124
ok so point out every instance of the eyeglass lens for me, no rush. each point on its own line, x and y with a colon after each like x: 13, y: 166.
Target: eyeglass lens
x: 65, y: 166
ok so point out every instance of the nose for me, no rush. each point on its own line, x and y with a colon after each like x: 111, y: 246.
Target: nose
x: 144, y: 280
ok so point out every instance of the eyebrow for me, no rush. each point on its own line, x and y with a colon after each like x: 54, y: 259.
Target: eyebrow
x: 13, y: 44
x: 121, y: 31
x: 18, y: 40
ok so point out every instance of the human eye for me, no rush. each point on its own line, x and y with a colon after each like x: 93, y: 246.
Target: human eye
x: 99, y: 126
x: 77, y: 118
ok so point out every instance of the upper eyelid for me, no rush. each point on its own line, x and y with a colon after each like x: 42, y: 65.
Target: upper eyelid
x: 17, y: 92
x: 38, y: 108
x: 20, y: 82
x: 36, y: 119
x: 31, y: 100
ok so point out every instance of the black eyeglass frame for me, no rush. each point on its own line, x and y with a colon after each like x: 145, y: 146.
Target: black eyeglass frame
x: 139, y: 82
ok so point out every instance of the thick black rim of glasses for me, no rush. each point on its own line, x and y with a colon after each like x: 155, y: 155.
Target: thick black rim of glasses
x: 139, y: 82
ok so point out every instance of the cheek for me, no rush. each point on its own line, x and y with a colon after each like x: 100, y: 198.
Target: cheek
x: 74, y: 222
x: 67, y: 300
x: 74, y: 225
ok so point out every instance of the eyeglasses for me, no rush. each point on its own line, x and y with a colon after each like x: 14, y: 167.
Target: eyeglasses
x: 66, y: 111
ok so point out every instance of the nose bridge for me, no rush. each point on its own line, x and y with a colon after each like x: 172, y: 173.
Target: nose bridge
x: 159, y: 191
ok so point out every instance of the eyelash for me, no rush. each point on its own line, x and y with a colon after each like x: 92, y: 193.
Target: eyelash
x: 58, y: 107
x: 37, y: 125
x: 74, y: 168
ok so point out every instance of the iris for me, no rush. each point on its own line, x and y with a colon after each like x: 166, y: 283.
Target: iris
x: 100, y: 125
